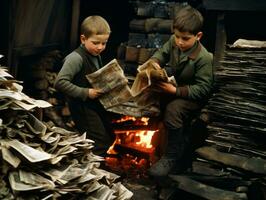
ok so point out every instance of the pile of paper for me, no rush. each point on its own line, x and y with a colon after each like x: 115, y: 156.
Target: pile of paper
x: 42, y: 161
x: 11, y: 94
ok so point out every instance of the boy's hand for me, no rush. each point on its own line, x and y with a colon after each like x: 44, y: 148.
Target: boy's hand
x: 166, y: 87
x: 94, y: 93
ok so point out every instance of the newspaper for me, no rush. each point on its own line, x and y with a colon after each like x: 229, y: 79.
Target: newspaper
x: 243, y: 43
x: 31, y: 154
x: 139, y: 100
x: 112, y: 81
x: 11, y: 93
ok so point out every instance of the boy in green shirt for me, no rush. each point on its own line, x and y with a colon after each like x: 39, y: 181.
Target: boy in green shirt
x: 185, y: 58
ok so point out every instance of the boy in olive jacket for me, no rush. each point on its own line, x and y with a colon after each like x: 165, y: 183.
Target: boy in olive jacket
x: 185, y: 58
x: 87, y: 112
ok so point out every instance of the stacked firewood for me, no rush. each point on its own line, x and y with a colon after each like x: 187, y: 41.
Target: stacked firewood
x: 150, y: 28
x: 39, y: 83
x: 232, y: 164
x: 42, y: 74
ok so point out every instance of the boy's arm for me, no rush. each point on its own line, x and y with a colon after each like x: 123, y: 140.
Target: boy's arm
x: 63, y: 83
x: 203, y: 82
x: 162, y: 56
x: 197, y: 89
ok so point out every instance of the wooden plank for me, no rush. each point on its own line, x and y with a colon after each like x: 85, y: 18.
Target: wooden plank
x: 220, y: 40
x: 11, y: 30
x: 74, y: 24
x: 205, y: 191
x: 256, y: 165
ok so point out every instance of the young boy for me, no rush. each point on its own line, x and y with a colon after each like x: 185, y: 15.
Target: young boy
x: 185, y: 58
x: 86, y: 110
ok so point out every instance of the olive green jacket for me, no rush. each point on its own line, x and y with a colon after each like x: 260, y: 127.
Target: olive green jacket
x: 193, y: 69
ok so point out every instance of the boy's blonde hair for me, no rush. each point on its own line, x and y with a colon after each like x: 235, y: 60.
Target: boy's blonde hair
x: 94, y: 25
x: 188, y: 19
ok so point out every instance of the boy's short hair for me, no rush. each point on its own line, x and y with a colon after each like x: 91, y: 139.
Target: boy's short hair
x: 94, y: 25
x: 188, y: 19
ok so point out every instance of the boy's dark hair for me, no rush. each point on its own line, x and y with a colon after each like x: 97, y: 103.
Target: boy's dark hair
x: 188, y: 19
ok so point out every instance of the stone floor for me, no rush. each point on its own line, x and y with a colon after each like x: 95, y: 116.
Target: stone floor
x: 147, y: 189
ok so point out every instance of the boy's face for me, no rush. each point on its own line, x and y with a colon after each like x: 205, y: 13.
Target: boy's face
x: 95, y: 44
x: 186, y: 40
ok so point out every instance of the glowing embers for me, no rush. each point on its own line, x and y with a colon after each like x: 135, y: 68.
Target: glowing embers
x: 130, y: 165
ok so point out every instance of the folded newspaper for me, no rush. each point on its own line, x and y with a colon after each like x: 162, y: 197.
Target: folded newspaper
x: 138, y: 100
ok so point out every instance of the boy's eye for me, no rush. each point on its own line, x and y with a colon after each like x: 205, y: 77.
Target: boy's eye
x: 185, y: 38
x: 97, y: 43
x: 182, y: 38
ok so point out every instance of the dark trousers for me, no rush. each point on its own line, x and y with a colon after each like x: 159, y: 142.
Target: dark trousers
x: 179, y: 112
x: 177, y: 118
x: 92, y: 118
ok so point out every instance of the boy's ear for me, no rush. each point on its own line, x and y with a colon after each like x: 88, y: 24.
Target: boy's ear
x: 82, y: 38
x: 199, y: 35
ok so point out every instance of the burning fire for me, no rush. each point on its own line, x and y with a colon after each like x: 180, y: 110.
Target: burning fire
x: 145, y: 138
x: 138, y: 121
x: 137, y: 139
x: 133, y: 146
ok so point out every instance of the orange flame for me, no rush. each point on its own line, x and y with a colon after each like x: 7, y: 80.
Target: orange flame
x: 145, y: 120
x: 133, y: 138
x: 125, y: 118
x: 137, y: 121
x: 145, y: 138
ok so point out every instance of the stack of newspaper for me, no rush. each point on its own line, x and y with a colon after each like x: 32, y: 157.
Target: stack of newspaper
x: 42, y: 161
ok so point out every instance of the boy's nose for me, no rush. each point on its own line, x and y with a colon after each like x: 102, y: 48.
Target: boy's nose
x: 180, y: 42
x: 100, y: 46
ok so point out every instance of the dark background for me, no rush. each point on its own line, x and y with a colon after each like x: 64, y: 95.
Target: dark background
x: 240, y: 22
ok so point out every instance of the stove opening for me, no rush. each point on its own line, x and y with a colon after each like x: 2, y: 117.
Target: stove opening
x: 139, y: 143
